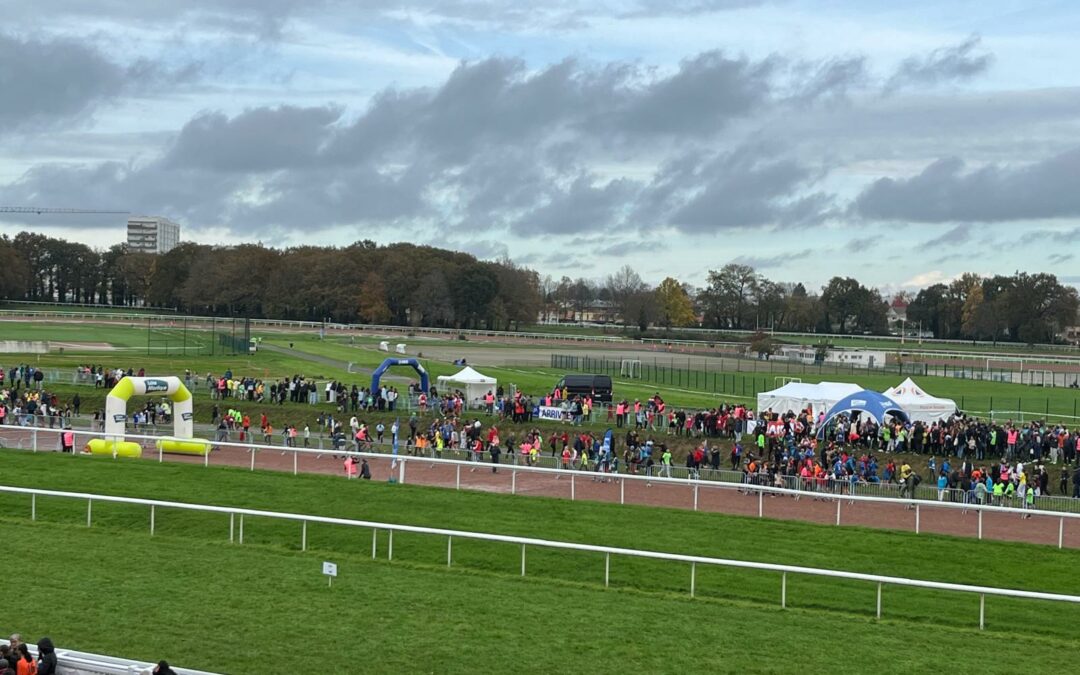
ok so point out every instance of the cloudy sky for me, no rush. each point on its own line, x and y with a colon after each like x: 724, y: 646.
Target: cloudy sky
x: 898, y: 145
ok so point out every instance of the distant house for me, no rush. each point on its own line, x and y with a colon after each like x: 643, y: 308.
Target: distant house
x: 595, y: 311
x: 1071, y: 334
x: 897, y: 313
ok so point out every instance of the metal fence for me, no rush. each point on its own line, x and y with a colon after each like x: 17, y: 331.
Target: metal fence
x: 236, y: 535
x: 72, y: 662
x: 696, y: 491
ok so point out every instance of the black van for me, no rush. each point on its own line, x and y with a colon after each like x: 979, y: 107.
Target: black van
x: 599, y: 386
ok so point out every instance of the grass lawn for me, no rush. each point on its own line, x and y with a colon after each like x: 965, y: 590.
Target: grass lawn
x: 250, y: 609
x: 244, y: 601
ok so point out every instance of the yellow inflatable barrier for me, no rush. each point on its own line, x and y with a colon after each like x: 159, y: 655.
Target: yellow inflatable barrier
x: 184, y: 446
x: 101, y: 446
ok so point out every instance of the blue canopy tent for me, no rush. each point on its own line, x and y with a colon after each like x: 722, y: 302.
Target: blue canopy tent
x: 868, y: 402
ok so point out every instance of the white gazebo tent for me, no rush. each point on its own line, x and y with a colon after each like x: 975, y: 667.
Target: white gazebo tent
x: 920, y: 406
x: 796, y: 396
x: 474, y: 384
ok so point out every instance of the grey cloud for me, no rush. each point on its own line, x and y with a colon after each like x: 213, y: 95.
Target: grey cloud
x: 1070, y: 236
x: 947, y: 191
x: 765, y: 262
x: 961, y: 234
x: 834, y: 78
x: 580, y: 208
x: 1058, y: 258
x: 745, y: 188
x: 261, y: 139
x: 945, y: 64
x: 46, y: 82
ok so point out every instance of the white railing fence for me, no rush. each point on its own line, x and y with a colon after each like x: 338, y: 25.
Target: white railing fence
x: 236, y: 535
x: 631, y: 488
x: 72, y: 662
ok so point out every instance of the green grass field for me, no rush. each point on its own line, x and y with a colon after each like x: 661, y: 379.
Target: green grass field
x: 190, y: 596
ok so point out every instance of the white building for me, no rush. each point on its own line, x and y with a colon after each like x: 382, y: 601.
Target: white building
x: 152, y: 234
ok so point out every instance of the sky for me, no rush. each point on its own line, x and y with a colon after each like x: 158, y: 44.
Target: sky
x: 899, y: 143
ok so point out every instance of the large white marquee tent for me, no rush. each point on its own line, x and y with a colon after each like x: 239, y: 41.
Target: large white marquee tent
x: 920, y: 406
x: 474, y: 384
x: 796, y: 396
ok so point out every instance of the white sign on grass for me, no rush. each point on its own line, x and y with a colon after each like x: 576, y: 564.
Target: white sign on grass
x: 330, y: 570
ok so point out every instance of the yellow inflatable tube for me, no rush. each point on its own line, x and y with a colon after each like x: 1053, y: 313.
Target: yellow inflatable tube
x: 101, y: 446
x: 184, y: 446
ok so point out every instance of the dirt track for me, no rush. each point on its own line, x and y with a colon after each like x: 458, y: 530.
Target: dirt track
x: 719, y: 498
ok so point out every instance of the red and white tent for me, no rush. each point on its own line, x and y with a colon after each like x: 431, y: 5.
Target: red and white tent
x: 919, y: 405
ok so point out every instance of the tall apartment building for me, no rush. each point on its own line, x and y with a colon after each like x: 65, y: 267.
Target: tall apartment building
x: 152, y: 234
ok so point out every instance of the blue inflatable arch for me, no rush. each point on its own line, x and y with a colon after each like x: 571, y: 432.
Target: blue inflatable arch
x: 425, y: 383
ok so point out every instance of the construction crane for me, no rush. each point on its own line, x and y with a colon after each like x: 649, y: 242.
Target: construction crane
x: 41, y: 210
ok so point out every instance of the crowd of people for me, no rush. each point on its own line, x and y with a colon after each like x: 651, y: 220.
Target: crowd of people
x: 16, y: 659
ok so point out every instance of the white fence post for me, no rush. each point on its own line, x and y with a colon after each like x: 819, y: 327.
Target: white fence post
x: 760, y: 503
x: 33, y: 507
x: 160, y: 455
x: 303, y: 536
x: 89, y: 508
x: 916, y: 519
x: 980, y: 523
x: 513, y: 481
x: 693, y: 577
x: 783, y: 590
x: 295, y: 461
x: 607, y: 569
x: 241, y: 539
x: 622, y: 491
x: 390, y: 546
x: 253, y: 459
x: 232, y: 524
x: 695, y: 496
x: 458, y: 484
x: 33, y: 433
x: 374, y: 538
x: 982, y: 611
x: 401, y: 472
x: 523, y: 560
x: 838, y: 500
x: 449, y: 549
x: 572, y: 486
x: 152, y: 518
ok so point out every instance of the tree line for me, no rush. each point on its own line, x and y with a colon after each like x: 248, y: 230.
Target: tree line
x: 405, y: 284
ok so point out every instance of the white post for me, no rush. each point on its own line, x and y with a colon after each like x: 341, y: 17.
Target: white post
x: 879, y: 600
x: 232, y: 522
x: 390, y: 546
x: 241, y: 528
x: 693, y: 577
x: 1061, y: 532
x: 572, y: 487
x: 295, y: 455
x: 783, y: 590
x: 622, y: 490
x: 152, y: 514
x: 33, y: 507
x: 838, y: 511
x: 916, y: 519
x: 982, y: 611
x: 374, y: 536
x: 980, y: 523
x: 458, y: 485
x: 760, y: 503
x: 33, y: 433
x: 89, y: 507
x: 401, y: 472
x: 513, y: 481
x: 523, y: 560
x: 303, y: 536
x: 695, y: 496
x: 253, y: 459
x: 206, y: 458
x: 160, y: 455
x: 449, y: 549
